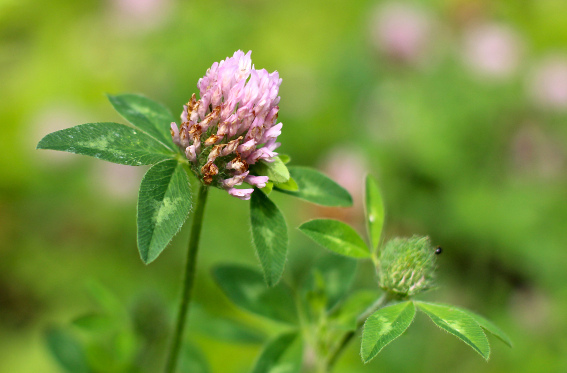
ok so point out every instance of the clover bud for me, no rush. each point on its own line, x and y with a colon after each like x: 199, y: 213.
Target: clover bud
x: 407, y: 266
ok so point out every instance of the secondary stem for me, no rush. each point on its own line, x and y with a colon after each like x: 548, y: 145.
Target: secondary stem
x: 188, y: 279
x: 334, y: 355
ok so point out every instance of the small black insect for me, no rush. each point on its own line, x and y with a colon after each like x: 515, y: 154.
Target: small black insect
x: 439, y: 250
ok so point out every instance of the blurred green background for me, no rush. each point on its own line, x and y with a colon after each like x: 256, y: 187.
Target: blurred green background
x: 458, y: 107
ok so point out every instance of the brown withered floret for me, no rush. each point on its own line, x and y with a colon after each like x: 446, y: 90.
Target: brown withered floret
x: 216, y: 151
x: 231, y: 146
x: 255, y: 133
x: 191, y: 104
x: 184, y: 134
x: 211, y: 140
x: 208, y: 171
x: 239, y: 164
x: 195, y: 132
x: 211, y: 117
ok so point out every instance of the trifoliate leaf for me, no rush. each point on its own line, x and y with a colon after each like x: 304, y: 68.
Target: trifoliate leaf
x: 193, y: 360
x: 345, y: 316
x: 337, y: 273
x: 147, y: 115
x: 111, y: 142
x: 276, y: 170
x: 67, y: 351
x: 383, y: 326
x: 246, y: 288
x: 289, y: 185
x: 285, y: 158
x: 336, y: 236
x: 489, y: 327
x: 458, y: 323
x: 93, y: 322
x: 268, y: 188
x: 313, y: 186
x: 272, y: 353
x: 374, y: 210
x: 269, y: 234
x: 164, y: 203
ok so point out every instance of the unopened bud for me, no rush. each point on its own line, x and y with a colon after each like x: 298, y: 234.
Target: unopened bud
x: 407, y: 266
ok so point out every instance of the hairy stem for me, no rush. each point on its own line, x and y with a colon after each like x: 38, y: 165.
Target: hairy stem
x: 347, y: 337
x: 188, y: 279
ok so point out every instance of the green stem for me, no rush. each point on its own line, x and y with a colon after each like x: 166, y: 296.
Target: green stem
x: 188, y: 279
x: 343, y: 343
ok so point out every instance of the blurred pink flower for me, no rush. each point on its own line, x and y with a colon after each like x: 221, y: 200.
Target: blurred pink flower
x: 232, y: 126
x: 117, y: 181
x: 492, y: 50
x: 537, y: 153
x: 141, y: 14
x: 347, y: 167
x: 54, y: 117
x: 401, y: 31
x: 548, y: 83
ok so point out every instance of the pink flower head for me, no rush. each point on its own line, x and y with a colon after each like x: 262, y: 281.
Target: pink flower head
x: 548, y: 83
x: 402, y: 32
x: 232, y: 126
x: 492, y: 50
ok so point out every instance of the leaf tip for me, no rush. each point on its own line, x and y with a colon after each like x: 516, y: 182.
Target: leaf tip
x: 348, y: 203
x: 485, y: 354
x: 269, y: 282
x: 145, y: 259
x: 42, y: 143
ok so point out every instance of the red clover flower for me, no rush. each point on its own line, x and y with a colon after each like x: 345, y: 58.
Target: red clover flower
x: 232, y: 126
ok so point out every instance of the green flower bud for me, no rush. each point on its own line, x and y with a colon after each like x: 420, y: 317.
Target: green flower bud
x: 407, y: 266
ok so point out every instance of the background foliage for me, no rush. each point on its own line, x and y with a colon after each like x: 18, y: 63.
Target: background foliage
x: 469, y: 150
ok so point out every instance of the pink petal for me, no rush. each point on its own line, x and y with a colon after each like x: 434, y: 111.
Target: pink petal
x: 243, y: 194
x: 257, y: 181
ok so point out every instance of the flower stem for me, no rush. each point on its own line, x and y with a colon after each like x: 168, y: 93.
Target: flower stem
x: 188, y: 279
x: 343, y: 343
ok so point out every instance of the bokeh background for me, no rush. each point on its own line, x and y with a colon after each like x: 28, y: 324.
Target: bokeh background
x: 458, y: 107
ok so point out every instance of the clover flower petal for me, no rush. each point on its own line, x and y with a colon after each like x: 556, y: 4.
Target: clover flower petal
x: 243, y: 194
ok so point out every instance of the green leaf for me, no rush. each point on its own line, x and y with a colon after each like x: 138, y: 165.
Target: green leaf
x: 104, y: 298
x: 93, y: 322
x: 269, y: 235
x: 317, y: 188
x: 489, y: 326
x: 223, y: 329
x: 337, y: 273
x: 345, y: 316
x: 285, y: 158
x: 336, y: 236
x: 459, y: 324
x: 289, y: 185
x: 124, y: 346
x: 246, y: 288
x: 147, y: 115
x: 383, y: 326
x: 101, y: 357
x: 374, y: 210
x: 111, y: 142
x: 164, y: 202
x: 276, y: 170
x: 67, y: 351
x: 326, y: 283
x: 272, y: 353
x: 268, y: 188
x: 193, y: 360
